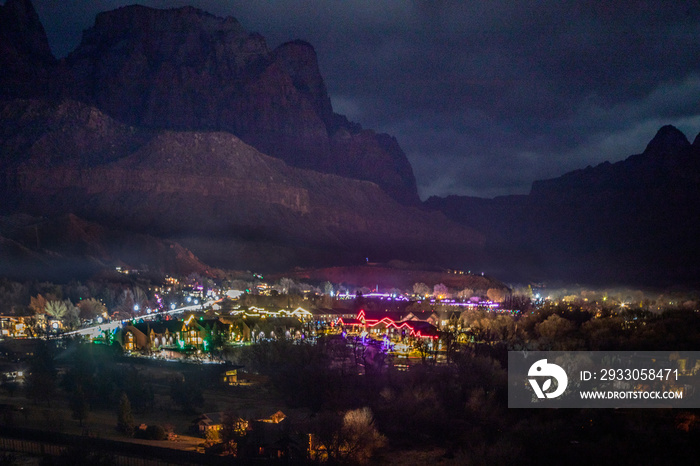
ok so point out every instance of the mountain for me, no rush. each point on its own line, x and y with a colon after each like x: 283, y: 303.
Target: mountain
x: 67, y: 247
x: 179, y: 125
x: 632, y: 221
x: 25, y: 57
x: 230, y: 204
x: 28, y: 69
x: 186, y: 70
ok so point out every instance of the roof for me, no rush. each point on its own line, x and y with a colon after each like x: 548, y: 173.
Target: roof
x: 418, y: 328
x: 160, y: 326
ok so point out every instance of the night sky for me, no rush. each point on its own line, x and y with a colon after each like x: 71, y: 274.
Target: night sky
x: 484, y: 97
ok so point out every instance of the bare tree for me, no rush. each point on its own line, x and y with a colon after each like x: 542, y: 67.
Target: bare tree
x: 140, y: 297
x: 288, y: 285
x: 554, y: 331
x: 497, y: 295
x: 466, y: 293
x: 352, y: 439
x: 421, y: 289
x: 125, y: 305
x: 360, y: 435
x: 37, y: 304
x: 91, y: 309
x: 440, y: 291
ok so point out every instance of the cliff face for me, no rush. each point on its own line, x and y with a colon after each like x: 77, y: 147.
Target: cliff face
x: 184, y: 69
x: 68, y: 247
x: 26, y: 62
x: 229, y: 203
x: 22, y: 29
x: 629, y: 222
x: 146, y: 127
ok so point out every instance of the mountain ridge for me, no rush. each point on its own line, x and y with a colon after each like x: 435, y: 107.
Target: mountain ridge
x: 627, y: 222
x: 67, y: 247
x: 192, y: 185
x: 186, y: 70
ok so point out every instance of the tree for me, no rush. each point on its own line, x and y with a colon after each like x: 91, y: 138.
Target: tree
x: 37, y: 304
x: 555, y: 330
x: 423, y: 349
x: 64, y: 311
x: 466, y: 293
x: 288, y: 286
x: 79, y: 405
x: 56, y: 309
x: 497, y: 295
x: 351, y: 439
x: 440, y: 291
x: 421, y: 289
x: 233, y: 432
x: 71, y: 318
x: 140, y: 296
x: 125, y: 305
x: 125, y: 419
x: 504, y: 328
x: 91, y: 309
x: 361, y: 436
x: 41, y: 382
x: 448, y: 337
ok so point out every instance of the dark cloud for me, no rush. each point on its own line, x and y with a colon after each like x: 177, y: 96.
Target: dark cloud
x: 484, y: 97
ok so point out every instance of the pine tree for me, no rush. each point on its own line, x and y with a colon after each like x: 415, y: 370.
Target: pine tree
x: 125, y: 419
x: 79, y: 405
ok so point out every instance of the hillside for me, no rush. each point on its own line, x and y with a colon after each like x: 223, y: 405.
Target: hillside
x: 68, y: 247
x: 230, y: 204
x: 186, y: 70
x: 629, y: 222
x: 184, y: 126
x: 388, y: 276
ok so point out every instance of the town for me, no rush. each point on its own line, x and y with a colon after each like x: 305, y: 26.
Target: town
x: 284, y: 369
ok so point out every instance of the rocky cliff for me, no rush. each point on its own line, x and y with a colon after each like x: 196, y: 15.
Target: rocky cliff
x: 26, y: 62
x: 633, y: 221
x: 147, y: 127
x: 229, y: 203
x: 184, y: 69
x: 67, y: 247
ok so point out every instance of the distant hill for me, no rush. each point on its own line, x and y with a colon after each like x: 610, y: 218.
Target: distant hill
x: 68, y: 247
x: 391, y: 275
x: 634, y: 221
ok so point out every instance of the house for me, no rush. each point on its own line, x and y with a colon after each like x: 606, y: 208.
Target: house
x: 13, y: 327
x: 209, y: 422
x: 395, y: 325
x: 215, y: 421
x: 188, y: 334
x: 231, y: 377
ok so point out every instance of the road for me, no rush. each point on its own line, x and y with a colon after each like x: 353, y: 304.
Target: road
x: 98, y: 330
